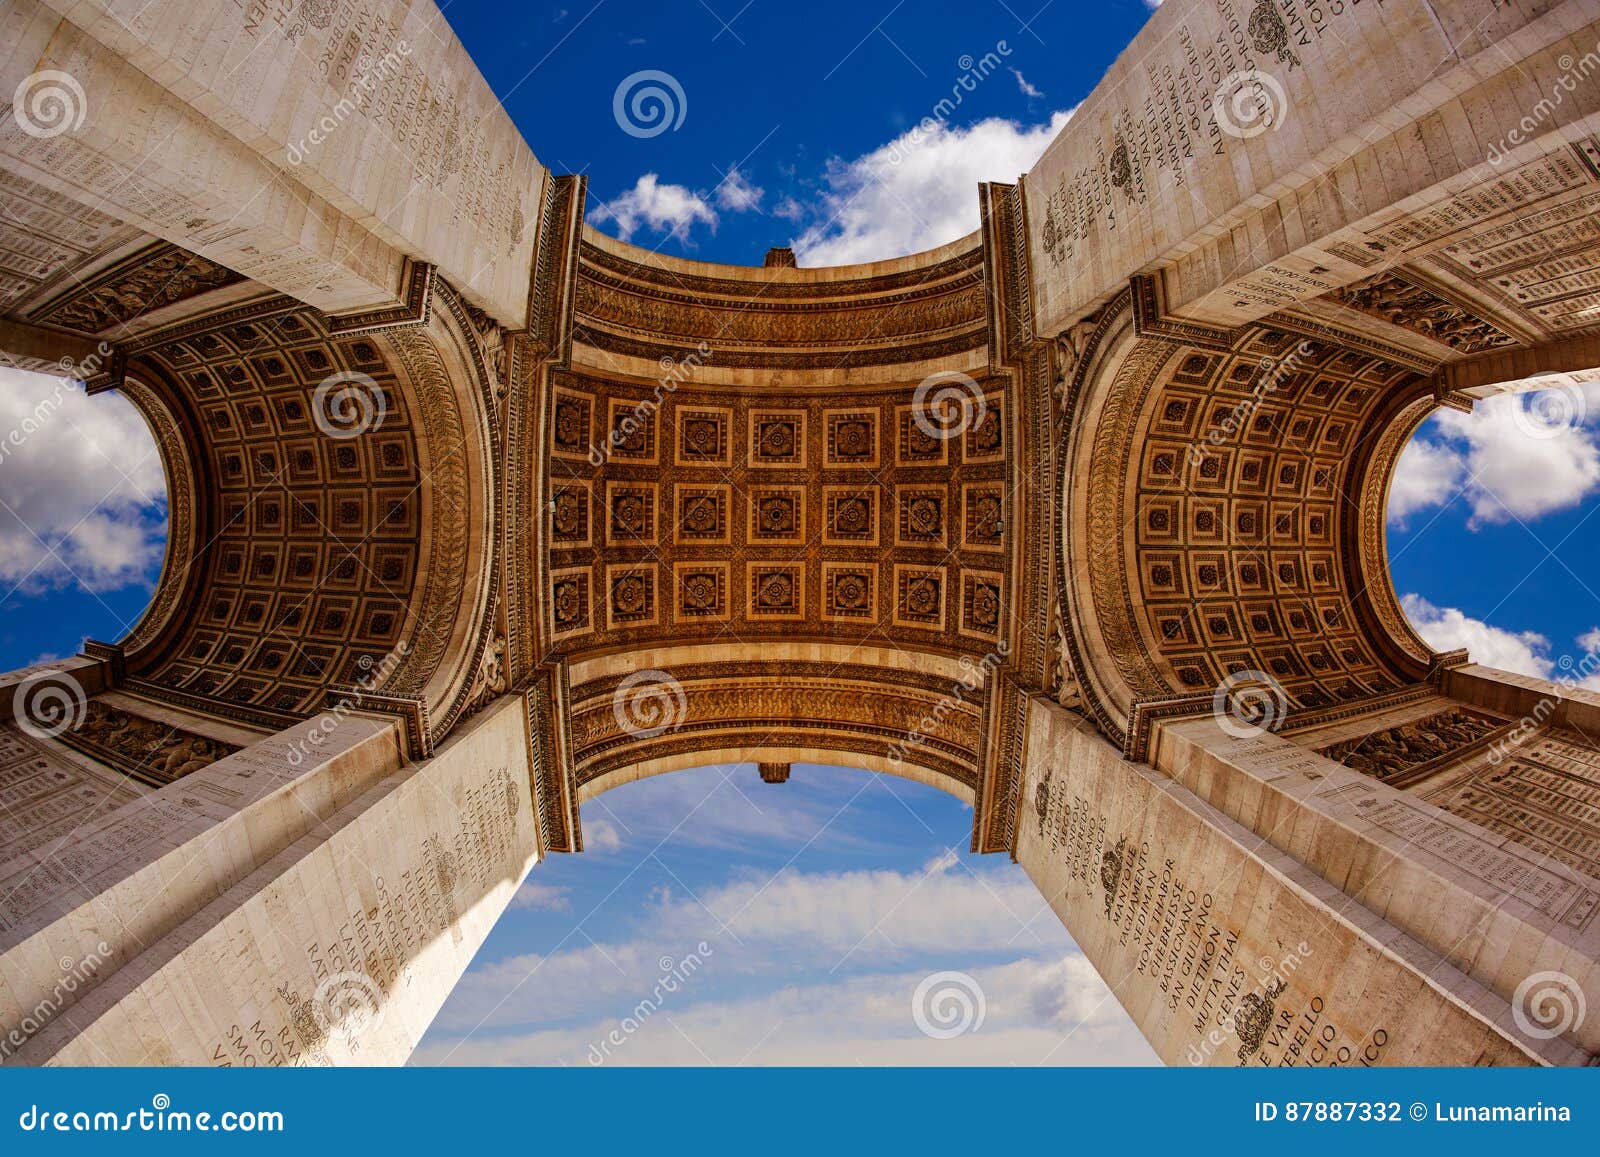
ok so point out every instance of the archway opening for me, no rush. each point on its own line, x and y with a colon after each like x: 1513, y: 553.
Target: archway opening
x: 83, y: 516
x: 1491, y: 530
x: 835, y: 917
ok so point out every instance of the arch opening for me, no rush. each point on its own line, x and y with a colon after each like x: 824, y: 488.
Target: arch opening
x: 1485, y: 524
x: 819, y: 920
x: 83, y: 514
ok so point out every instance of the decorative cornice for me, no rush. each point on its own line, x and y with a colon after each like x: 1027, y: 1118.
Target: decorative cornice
x: 555, y: 784
x: 412, y: 310
x: 110, y: 654
x: 412, y: 713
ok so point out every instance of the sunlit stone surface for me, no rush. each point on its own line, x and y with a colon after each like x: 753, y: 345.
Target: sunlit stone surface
x: 476, y: 513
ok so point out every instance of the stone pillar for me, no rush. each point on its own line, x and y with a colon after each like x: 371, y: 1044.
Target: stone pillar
x: 1223, y: 947
x: 320, y: 157
x: 309, y: 899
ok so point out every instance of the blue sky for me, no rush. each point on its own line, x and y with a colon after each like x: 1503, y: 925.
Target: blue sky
x: 823, y: 903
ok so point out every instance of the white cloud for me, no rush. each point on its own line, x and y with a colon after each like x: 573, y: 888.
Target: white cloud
x: 1427, y: 475
x: 1445, y: 629
x: 1027, y: 89
x: 1050, y: 1010
x: 663, y: 207
x: 536, y: 897
x: 736, y: 194
x: 1521, y: 652
x: 1509, y: 458
x: 918, y: 191
x: 735, y: 811
x: 600, y: 836
x: 82, y: 492
x: 819, y: 921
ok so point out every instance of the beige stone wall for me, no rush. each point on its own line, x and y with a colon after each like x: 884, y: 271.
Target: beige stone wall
x: 1362, y: 117
x: 1225, y: 950
x: 340, y: 948
x: 312, y: 157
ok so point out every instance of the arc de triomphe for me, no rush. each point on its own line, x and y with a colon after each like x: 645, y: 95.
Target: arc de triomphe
x: 476, y: 514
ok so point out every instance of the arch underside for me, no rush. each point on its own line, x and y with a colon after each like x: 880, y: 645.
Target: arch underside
x: 1217, y: 510
x: 754, y: 535
x: 302, y: 561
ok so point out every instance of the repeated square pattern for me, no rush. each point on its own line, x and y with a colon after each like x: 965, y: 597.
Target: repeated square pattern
x: 712, y: 515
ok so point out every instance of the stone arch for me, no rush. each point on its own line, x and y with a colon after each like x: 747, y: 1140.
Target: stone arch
x: 872, y: 764
x: 1222, y: 497
x: 315, y: 561
x: 178, y: 467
